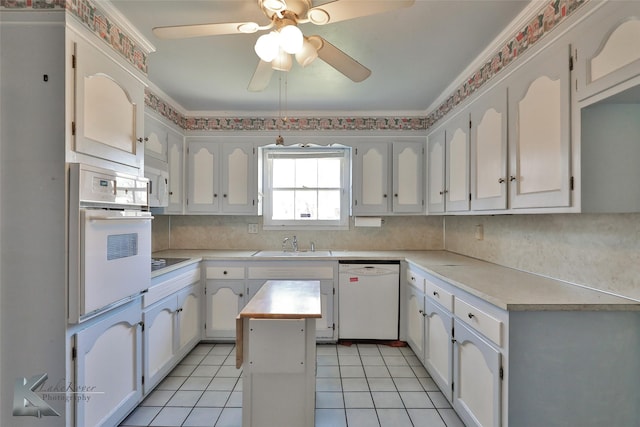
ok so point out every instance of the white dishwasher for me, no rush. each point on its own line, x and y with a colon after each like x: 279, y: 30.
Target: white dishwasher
x: 369, y: 300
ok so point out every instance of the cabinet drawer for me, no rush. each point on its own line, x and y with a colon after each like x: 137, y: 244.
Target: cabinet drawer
x: 225, y: 272
x: 415, y: 279
x: 436, y: 293
x: 487, y: 325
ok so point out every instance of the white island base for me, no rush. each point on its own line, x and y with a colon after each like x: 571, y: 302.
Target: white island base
x: 276, y: 346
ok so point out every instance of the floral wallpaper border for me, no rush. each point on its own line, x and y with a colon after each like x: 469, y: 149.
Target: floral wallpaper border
x: 548, y: 17
x: 553, y: 13
x: 94, y: 20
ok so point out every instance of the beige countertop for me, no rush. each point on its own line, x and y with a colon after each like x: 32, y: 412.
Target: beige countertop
x: 285, y: 299
x: 506, y: 288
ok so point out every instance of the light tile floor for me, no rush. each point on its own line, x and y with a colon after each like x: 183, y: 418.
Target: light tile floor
x: 363, y: 385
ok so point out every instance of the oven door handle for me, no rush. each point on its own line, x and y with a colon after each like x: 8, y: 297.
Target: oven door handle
x: 120, y: 218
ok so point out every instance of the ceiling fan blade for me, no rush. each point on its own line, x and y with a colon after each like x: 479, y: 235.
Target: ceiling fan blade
x: 341, y: 10
x: 261, y: 77
x: 340, y: 60
x: 201, y: 30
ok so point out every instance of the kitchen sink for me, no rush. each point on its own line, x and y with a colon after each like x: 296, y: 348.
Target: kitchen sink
x: 289, y: 254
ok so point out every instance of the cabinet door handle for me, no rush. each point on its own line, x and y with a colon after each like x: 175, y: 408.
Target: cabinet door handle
x: 241, y: 295
x: 471, y: 315
x: 224, y: 195
x: 421, y: 312
x: 142, y: 139
x: 225, y: 272
x: 171, y: 193
x: 501, y: 180
x: 512, y: 178
x: 395, y: 195
x: 215, y: 194
x: 435, y: 294
x: 384, y: 195
x: 413, y: 279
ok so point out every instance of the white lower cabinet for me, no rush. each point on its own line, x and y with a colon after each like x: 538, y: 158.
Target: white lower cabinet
x: 438, y: 349
x: 172, y: 322
x: 113, y: 344
x: 159, y: 341
x: 224, y: 300
x: 415, y: 321
x: 477, y: 382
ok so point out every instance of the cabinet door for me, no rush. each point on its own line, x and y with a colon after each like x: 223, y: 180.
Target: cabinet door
x: 476, y: 369
x: 160, y: 336
x: 457, y: 164
x: 189, y: 318
x: 239, y: 183
x: 415, y: 321
x: 489, y: 151
x: 325, y: 326
x: 175, y: 155
x: 607, y: 50
x: 408, y: 160
x: 436, y: 149
x: 156, y: 138
x: 438, y: 348
x: 224, y: 300
x: 112, y: 345
x: 202, y: 182
x: 109, y: 108
x: 371, y: 179
x: 539, y: 131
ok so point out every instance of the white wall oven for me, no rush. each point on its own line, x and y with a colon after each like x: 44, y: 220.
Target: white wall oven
x: 109, y: 240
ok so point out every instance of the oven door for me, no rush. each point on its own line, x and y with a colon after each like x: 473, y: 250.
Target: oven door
x: 115, y: 259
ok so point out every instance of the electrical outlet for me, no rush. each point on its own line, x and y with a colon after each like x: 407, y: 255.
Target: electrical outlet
x: 253, y: 228
x: 479, y: 232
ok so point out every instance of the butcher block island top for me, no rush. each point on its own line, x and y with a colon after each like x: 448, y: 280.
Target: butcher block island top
x: 285, y: 299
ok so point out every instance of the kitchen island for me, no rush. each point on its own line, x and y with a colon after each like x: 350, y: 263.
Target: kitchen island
x: 276, y: 347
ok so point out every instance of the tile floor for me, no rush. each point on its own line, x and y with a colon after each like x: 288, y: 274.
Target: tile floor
x: 364, y: 385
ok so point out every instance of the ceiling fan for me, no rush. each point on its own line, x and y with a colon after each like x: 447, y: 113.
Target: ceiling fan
x: 285, y: 39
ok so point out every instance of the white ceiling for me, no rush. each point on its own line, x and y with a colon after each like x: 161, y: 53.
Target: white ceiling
x: 413, y: 53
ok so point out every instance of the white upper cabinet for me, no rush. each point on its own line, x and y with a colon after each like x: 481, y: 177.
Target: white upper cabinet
x: 457, y: 164
x: 371, y: 179
x: 175, y: 163
x: 539, y: 131
x: 388, y: 178
x: 489, y: 151
x: 221, y: 178
x: 436, y: 149
x: 109, y: 108
x: 239, y: 178
x: 448, y: 166
x: 607, y: 51
x: 156, y: 139
x: 408, y: 158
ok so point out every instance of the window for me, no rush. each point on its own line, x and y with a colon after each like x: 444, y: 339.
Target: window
x: 306, y: 187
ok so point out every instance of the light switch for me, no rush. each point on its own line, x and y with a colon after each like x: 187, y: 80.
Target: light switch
x: 479, y: 232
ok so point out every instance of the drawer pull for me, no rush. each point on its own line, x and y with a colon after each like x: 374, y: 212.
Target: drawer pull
x: 225, y: 272
x: 436, y: 294
x: 471, y: 315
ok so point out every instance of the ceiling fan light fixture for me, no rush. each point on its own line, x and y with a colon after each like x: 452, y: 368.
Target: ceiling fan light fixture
x: 274, y: 5
x: 307, y: 54
x: 318, y: 16
x: 291, y: 39
x: 282, y: 61
x: 267, y: 46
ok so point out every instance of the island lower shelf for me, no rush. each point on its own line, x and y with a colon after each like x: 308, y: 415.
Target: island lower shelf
x: 275, y: 346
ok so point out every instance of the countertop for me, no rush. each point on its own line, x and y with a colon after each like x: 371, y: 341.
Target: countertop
x: 504, y: 287
x: 285, y: 299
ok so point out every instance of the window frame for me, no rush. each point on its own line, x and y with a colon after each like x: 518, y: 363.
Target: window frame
x: 308, y: 224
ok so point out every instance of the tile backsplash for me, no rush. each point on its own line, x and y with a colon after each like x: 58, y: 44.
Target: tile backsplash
x: 600, y: 251
x: 231, y: 232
